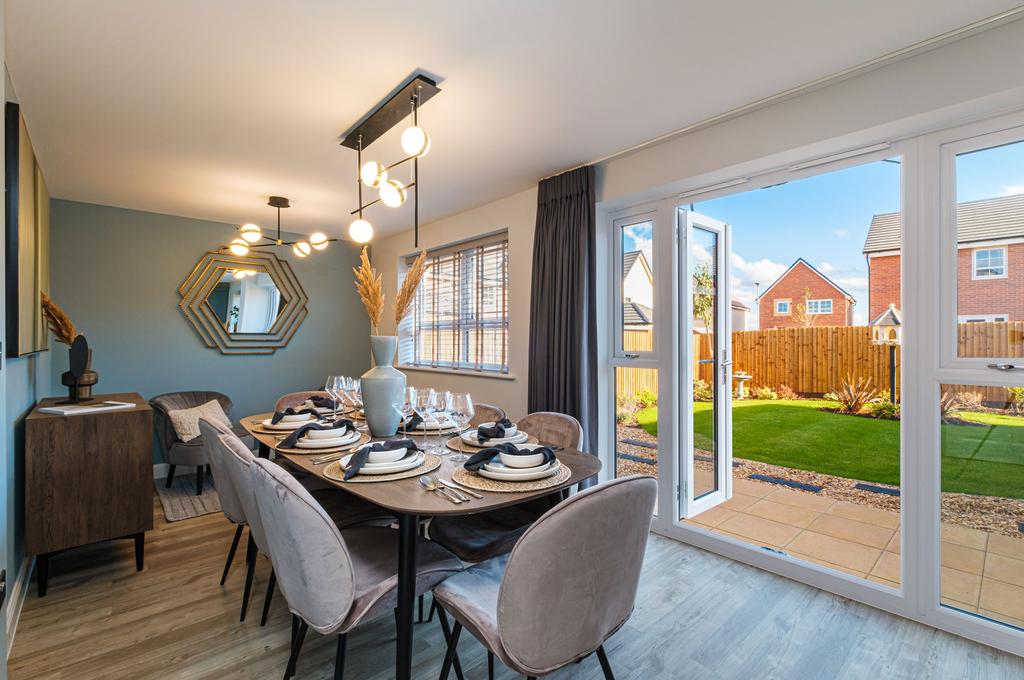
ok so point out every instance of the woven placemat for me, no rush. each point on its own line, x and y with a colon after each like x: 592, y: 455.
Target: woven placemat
x: 363, y: 438
x: 475, y: 481
x: 430, y: 463
x: 456, y: 444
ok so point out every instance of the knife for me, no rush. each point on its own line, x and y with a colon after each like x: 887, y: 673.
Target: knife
x: 459, y: 488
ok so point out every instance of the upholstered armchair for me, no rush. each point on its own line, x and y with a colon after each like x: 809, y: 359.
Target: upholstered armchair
x: 192, y: 453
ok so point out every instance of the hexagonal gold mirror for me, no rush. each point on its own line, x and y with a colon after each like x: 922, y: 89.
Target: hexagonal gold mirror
x: 250, y: 304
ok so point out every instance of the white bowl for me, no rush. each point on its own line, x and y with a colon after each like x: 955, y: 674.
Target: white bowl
x: 523, y: 461
x: 386, y: 456
x: 327, y: 434
x: 509, y: 431
x: 297, y: 418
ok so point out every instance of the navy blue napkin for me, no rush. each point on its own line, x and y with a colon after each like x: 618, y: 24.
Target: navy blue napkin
x: 278, y: 415
x: 322, y: 402
x: 497, y: 431
x: 479, y: 459
x: 412, y: 422
x: 294, y: 437
x: 359, y: 458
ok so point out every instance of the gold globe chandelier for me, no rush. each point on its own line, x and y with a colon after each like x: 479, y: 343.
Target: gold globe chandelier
x: 252, y: 236
x: 402, y: 104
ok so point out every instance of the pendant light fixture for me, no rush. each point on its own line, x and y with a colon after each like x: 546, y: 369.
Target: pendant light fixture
x: 403, y: 104
x: 251, y: 236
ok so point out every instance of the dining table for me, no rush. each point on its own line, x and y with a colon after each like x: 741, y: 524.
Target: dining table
x: 410, y: 502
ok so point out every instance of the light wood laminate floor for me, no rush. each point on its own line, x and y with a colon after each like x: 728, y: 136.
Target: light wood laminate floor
x: 698, y: 615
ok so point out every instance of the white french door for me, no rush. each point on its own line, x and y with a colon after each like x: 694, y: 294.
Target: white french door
x: 705, y: 365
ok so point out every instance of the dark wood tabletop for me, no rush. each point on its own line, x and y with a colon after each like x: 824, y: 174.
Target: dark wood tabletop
x: 409, y: 497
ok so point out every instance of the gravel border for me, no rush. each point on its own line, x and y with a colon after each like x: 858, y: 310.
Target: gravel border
x: 987, y: 513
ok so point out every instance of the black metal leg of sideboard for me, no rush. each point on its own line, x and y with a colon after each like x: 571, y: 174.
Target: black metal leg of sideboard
x: 42, y: 573
x: 140, y: 550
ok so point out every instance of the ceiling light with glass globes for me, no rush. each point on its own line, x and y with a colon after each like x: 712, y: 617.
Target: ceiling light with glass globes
x: 403, y: 105
x: 251, y: 236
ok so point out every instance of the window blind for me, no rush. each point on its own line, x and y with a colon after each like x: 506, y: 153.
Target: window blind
x: 459, y: 318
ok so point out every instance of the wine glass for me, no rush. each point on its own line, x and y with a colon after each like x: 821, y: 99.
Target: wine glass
x: 424, y: 405
x: 439, y: 411
x: 407, y: 407
x: 461, y: 411
x: 332, y: 387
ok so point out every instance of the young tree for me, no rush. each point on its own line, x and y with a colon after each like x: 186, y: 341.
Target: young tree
x: 800, y: 314
x: 704, y: 295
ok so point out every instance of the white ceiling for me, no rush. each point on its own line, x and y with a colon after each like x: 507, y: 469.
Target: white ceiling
x: 203, y: 109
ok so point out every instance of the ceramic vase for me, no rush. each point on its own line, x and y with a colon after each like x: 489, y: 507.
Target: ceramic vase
x: 383, y: 388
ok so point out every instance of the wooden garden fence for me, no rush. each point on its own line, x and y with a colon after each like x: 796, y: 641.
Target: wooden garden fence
x: 813, y: 361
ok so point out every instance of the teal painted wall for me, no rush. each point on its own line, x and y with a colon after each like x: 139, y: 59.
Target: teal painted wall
x: 116, y: 272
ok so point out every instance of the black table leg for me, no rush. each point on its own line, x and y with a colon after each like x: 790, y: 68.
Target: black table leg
x: 264, y: 451
x: 140, y: 550
x: 42, y: 573
x: 407, y: 528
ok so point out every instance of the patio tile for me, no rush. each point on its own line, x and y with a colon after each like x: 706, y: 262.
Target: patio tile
x: 1002, y: 618
x: 760, y: 530
x: 739, y: 501
x: 960, y: 586
x: 894, y: 543
x: 1005, y: 545
x: 1002, y: 598
x: 780, y: 512
x: 956, y: 604
x: 887, y: 568
x: 866, y: 513
x: 751, y: 488
x: 884, y: 582
x: 800, y: 499
x: 825, y: 563
x: 852, y: 530
x: 838, y: 551
x: 713, y: 517
x: 1005, y: 569
x: 961, y: 558
x: 971, y: 538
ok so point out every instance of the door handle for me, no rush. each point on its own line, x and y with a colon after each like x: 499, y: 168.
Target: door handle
x: 1005, y: 367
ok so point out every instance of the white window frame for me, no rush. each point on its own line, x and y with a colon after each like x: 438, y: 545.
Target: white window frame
x: 819, y: 303
x: 974, y: 263
x: 980, y: 318
x: 783, y: 312
x: 628, y: 219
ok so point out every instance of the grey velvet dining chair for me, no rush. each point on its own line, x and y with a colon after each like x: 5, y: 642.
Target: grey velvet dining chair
x: 333, y: 579
x: 486, y: 413
x: 484, y: 535
x: 345, y: 510
x: 293, y: 399
x: 568, y: 585
x: 230, y: 504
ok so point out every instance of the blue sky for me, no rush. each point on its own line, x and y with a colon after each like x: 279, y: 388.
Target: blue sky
x: 824, y: 219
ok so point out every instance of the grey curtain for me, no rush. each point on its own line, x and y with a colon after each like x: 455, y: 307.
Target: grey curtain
x: 563, y: 321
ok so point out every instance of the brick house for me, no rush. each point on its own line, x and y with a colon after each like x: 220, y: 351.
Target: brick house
x: 990, y: 260
x: 827, y: 305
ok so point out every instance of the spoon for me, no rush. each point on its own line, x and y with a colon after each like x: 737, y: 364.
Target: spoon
x: 450, y: 490
x: 430, y: 484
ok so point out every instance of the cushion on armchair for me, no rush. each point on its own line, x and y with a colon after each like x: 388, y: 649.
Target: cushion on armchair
x: 186, y: 420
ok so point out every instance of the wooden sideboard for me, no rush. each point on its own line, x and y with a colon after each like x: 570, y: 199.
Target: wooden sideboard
x: 88, y: 478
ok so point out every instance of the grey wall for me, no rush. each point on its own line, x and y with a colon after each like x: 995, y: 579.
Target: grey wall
x: 116, y: 272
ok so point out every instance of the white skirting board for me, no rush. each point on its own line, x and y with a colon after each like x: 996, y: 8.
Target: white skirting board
x: 16, y: 598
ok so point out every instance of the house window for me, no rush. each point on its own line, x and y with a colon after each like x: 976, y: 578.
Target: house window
x: 819, y: 306
x: 990, y: 263
x: 459, y: 318
x: 982, y: 318
x: 782, y: 306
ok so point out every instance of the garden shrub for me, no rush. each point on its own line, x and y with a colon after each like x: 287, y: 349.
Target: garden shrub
x: 788, y: 393
x: 625, y: 409
x: 855, y: 394
x: 884, y: 409
x: 646, y: 398
x: 702, y: 390
x: 830, y: 396
x: 763, y: 392
x: 970, y: 401
x: 1016, y: 398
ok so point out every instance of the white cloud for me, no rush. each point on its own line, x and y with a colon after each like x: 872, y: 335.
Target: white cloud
x: 841, y: 233
x: 641, y: 242
x: 852, y: 283
x: 700, y: 252
x: 826, y: 267
x: 1012, y: 190
x: 763, y: 271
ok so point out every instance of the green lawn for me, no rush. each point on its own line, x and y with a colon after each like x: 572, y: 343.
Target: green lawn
x: 986, y: 460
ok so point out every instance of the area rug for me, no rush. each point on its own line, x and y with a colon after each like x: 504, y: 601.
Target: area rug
x: 181, y: 502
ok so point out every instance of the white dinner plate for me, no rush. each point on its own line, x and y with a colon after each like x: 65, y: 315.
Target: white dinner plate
x: 286, y: 424
x: 496, y: 466
x: 433, y: 425
x: 304, y: 443
x: 407, y: 463
x: 518, y: 476
x: 469, y: 437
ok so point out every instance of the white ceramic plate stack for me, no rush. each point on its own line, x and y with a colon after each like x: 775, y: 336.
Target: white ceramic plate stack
x: 288, y: 422
x: 512, y: 436
x: 521, y: 468
x: 327, y: 439
x: 387, y: 462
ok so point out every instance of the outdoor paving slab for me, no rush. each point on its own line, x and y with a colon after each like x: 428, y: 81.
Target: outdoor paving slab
x: 855, y: 556
x: 823, y: 563
x: 801, y: 499
x: 739, y: 501
x: 961, y: 535
x: 714, y: 516
x: 1004, y: 598
x: 894, y: 543
x: 852, y: 530
x: 1003, y: 618
x: 1005, y: 569
x: 887, y: 567
x: 751, y: 488
x: 960, y: 586
x: 865, y: 513
x: 759, y: 529
x: 1005, y: 545
x: 780, y: 512
x: 965, y: 559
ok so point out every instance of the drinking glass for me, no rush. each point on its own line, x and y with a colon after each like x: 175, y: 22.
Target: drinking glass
x: 461, y: 411
x: 424, y: 405
x: 407, y: 407
x: 332, y: 386
x: 439, y: 411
